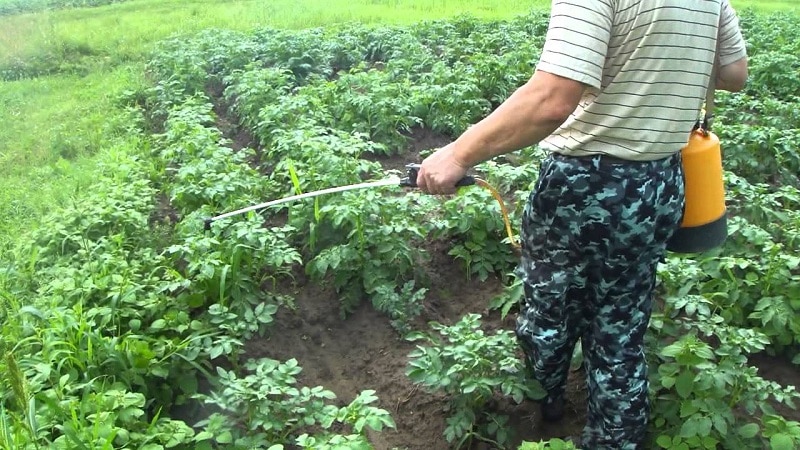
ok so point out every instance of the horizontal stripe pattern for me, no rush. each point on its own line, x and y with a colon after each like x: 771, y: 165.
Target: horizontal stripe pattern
x: 647, y: 65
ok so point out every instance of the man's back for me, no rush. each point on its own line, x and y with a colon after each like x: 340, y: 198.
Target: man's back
x: 647, y: 63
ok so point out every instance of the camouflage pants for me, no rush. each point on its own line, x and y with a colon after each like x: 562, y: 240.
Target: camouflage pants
x: 593, y: 233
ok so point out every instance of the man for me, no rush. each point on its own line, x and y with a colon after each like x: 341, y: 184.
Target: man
x: 619, y: 85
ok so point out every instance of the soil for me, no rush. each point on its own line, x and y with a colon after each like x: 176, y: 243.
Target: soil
x: 782, y: 371
x: 420, y: 140
x: 363, y: 352
x: 164, y: 212
x: 238, y: 137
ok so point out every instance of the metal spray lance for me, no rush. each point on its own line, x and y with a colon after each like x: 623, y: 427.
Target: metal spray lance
x: 410, y: 181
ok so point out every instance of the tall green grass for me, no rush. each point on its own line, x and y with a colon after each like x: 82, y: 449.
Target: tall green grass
x: 51, y: 129
x: 8, y: 7
x: 83, y: 38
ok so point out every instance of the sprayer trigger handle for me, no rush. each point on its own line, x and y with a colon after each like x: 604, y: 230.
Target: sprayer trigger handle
x: 413, y: 171
x: 466, y: 181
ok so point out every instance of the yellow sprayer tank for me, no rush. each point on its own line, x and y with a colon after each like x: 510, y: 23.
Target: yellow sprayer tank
x: 704, y: 224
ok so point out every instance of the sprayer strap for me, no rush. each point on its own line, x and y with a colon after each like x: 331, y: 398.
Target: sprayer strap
x: 708, y: 119
x: 712, y: 85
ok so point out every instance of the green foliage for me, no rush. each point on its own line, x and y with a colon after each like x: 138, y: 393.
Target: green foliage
x: 471, y: 367
x: 510, y: 297
x: 751, y: 151
x: 230, y: 268
x: 320, y: 158
x: 758, y: 126
x: 370, y: 102
x: 105, y: 331
x: 754, y: 281
x: 474, y: 221
x: 265, y: 410
x: 203, y: 171
x: 252, y: 88
x: 774, y: 74
x: 402, y: 307
x: 318, y: 101
x: 552, y: 444
x: 375, y: 250
x: 698, y: 387
x: 113, y: 314
x: 448, y: 99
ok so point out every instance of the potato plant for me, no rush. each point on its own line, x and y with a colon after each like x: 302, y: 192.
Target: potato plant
x: 471, y: 367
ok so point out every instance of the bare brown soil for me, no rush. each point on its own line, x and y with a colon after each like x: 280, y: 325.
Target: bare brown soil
x: 364, y: 352
x: 420, y: 140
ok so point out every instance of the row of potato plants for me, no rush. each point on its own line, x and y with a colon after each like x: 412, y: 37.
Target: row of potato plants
x: 368, y: 242
x: 318, y: 102
x: 380, y: 83
x: 315, y: 125
x: 115, y: 316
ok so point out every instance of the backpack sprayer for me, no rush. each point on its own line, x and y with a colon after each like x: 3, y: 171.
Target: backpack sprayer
x: 705, y: 224
x: 410, y: 181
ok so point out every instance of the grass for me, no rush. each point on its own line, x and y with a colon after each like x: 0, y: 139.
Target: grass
x: 8, y: 7
x: 125, y: 31
x: 60, y: 117
x: 52, y: 125
x: 52, y: 128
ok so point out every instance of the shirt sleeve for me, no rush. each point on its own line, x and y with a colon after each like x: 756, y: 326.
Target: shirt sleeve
x: 731, y: 43
x: 577, y: 40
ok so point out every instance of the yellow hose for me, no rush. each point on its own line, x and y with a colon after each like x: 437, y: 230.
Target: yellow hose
x: 483, y: 183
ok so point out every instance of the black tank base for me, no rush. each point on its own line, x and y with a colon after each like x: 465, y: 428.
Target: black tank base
x: 699, y: 239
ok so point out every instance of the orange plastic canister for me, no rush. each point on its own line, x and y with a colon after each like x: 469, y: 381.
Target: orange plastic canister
x: 702, y: 168
x: 704, y: 224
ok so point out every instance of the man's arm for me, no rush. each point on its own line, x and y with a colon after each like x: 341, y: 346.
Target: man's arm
x: 732, y: 77
x: 731, y: 60
x: 572, y: 59
x: 529, y: 115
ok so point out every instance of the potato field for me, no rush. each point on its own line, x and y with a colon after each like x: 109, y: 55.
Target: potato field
x: 377, y: 318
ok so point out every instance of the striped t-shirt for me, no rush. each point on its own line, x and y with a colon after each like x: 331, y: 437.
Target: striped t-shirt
x: 647, y: 64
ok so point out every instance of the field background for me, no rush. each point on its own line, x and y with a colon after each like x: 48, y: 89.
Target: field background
x: 53, y: 125
x: 68, y: 79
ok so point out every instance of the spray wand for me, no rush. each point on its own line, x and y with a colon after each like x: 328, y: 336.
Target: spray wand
x: 409, y: 181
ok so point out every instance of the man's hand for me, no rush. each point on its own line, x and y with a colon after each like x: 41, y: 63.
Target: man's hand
x: 441, y: 171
